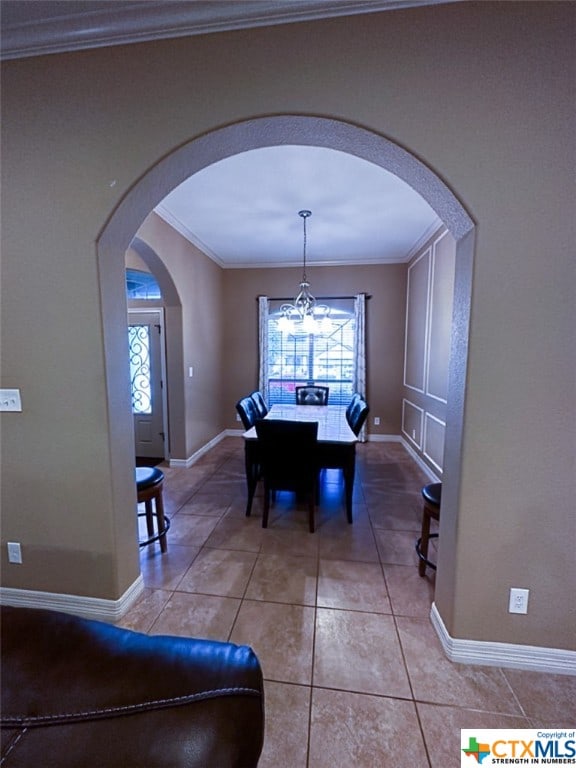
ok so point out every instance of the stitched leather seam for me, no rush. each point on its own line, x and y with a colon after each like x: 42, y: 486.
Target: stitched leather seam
x: 68, y: 717
x: 12, y: 745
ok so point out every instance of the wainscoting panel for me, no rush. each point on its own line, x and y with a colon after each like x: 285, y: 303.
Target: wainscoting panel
x: 412, y: 422
x: 434, y: 433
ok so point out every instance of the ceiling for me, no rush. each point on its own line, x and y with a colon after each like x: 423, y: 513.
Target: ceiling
x: 243, y: 211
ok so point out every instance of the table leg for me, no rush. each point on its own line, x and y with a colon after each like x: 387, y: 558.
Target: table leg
x: 349, y: 472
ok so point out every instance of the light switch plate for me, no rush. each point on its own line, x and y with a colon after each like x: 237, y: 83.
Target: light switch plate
x: 10, y: 400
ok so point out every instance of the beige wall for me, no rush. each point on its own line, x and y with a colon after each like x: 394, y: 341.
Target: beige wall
x: 483, y: 93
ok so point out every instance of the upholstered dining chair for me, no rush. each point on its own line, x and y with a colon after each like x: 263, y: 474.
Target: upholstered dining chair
x: 246, y: 408
x: 356, y: 414
x: 355, y: 397
x: 288, y: 460
x: 312, y: 395
x: 260, y: 403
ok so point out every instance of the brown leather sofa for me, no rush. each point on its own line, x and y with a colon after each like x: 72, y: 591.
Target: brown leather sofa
x: 78, y: 693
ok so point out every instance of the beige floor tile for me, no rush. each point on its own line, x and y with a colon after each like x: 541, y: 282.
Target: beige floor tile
x: 342, y: 541
x: 205, y: 616
x: 350, y: 729
x: 284, y: 579
x: 144, y: 612
x: 445, y: 750
x: 410, y: 594
x: 395, y: 511
x: 360, y: 652
x: 396, y: 547
x: 164, y: 570
x: 299, y: 541
x: 237, y: 533
x: 354, y: 585
x: 212, y: 505
x: 287, y: 718
x: 282, y: 637
x: 548, y: 700
x: 191, y: 530
x: 435, y: 679
x: 221, y: 572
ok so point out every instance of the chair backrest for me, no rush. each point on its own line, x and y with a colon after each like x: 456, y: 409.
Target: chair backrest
x: 356, y: 396
x: 357, y: 416
x: 261, y: 407
x: 247, y: 411
x: 312, y: 395
x: 288, y: 452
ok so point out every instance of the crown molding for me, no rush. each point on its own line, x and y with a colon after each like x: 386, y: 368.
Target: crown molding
x: 57, y: 26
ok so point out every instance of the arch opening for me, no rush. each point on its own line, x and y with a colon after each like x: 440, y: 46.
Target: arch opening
x: 221, y: 143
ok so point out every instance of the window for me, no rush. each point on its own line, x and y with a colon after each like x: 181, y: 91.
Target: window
x: 327, y: 358
x: 141, y: 285
x: 139, y: 342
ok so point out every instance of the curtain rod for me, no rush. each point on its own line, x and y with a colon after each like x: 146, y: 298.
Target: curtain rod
x: 321, y: 298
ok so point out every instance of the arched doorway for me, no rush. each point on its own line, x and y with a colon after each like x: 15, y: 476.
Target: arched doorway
x: 275, y: 131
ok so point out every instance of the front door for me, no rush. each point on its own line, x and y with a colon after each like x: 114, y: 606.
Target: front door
x: 145, y: 335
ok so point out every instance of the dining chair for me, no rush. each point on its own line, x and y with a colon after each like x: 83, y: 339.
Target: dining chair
x: 288, y: 455
x: 260, y: 403
x: 356, y: 414
x: 312, y: 395
x: 356, y: 396
x: 247, y: 411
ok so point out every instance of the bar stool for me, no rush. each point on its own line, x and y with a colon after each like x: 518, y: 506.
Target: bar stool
x: 432, y: 495
x: 149, y: 484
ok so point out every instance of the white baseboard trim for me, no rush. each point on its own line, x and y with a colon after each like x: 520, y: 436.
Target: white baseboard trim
x: 186, y: 463
x: 527, y: 657
x: 418, y: 459
x: 87, y: 607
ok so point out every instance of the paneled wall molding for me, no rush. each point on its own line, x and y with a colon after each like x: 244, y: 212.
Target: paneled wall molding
x: 510, y: 655
x: 416, y: 333
x: 413, y: 433
x: 439, y: 318
x: 87, y: 607
x: 433, y: 443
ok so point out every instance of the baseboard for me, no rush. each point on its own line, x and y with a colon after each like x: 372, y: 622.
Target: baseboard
x: 186, y: 463
x: 527, y: 657
x: 418, y: 459
x: 87, y: 607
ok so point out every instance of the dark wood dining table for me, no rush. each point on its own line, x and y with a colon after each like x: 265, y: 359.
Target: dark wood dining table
x: 336, y: 445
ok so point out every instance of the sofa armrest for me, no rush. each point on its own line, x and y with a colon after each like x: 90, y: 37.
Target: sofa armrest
x: 91, y: 694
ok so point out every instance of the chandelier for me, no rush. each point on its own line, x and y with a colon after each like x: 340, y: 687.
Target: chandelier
x: 305, y: 314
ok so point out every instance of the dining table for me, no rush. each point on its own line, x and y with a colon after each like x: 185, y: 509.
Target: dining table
x: 336, y: 445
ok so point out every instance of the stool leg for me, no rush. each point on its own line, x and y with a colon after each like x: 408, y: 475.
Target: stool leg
x: 425, y: 535
x: 149, y: 517
x: 161, y: 521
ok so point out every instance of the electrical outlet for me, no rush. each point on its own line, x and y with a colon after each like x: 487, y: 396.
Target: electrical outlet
x: 14, y: 552
x: 237, y: 417
x: 518, y: 600
x: 10, y: 400
x: 376, y: 421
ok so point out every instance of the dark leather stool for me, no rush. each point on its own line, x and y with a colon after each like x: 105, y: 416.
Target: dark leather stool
x: 149, y: 484
x: 432, y: 495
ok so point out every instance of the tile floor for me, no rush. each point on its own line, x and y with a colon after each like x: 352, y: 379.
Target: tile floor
x: 354, y: 672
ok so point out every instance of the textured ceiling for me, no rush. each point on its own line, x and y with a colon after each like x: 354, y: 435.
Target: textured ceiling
x: 243, y: 211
